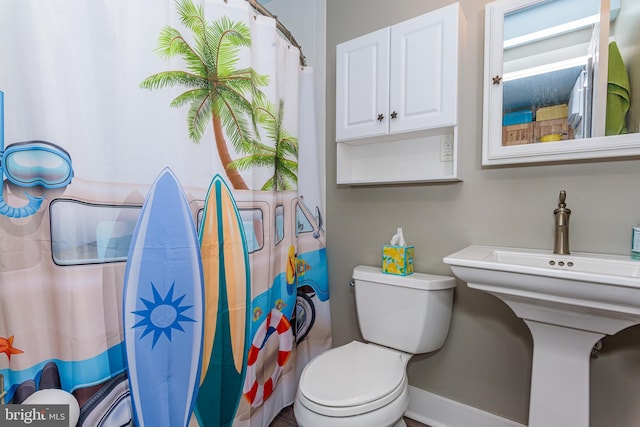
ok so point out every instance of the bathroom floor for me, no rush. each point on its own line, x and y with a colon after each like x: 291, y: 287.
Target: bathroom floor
x: 286, y: 419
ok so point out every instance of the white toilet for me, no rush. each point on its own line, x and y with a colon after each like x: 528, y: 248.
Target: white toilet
x: 365, y: 384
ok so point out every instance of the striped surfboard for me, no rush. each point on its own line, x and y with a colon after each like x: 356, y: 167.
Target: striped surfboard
x: 227, y: 307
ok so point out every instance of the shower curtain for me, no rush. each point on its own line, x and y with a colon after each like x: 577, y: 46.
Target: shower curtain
x: 160, y: 260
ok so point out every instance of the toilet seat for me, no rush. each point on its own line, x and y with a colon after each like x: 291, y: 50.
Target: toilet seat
x: 353, y: 379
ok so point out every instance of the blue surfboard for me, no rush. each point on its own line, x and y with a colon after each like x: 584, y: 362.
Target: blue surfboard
x: 163, y: 308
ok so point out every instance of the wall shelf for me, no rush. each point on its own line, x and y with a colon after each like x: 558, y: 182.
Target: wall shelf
x: 418, y: 158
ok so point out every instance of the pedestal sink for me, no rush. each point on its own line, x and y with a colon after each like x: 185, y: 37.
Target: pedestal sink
x: 568, y: 302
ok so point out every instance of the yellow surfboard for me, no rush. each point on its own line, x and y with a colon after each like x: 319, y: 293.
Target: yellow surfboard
x: 227, y: 292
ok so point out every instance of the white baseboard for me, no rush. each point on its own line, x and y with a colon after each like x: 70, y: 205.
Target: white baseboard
x: 438, y: 411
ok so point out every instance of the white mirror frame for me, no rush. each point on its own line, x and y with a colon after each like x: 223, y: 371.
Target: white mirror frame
x: 493, y: 152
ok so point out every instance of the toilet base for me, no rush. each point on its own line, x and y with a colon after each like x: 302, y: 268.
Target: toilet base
x: 387, y: 416
x: 400, y: 423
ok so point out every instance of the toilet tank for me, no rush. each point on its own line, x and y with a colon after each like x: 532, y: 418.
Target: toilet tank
x: 409, y: 313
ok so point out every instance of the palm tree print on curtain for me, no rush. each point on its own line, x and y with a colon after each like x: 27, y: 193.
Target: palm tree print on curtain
x: 217, y: 90
x: 280, y: 158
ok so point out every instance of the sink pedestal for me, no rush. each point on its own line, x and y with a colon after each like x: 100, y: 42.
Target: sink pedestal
x: 560, y: 375
x: 563, y: 337
x: 568, y: 302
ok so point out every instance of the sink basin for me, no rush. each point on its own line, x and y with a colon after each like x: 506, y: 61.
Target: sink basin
x: 612, y: 269
x: 569, y: 302
x: 595, y: 292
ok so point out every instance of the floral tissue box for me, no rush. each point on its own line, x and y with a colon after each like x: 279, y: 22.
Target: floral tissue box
x: 397, y: 260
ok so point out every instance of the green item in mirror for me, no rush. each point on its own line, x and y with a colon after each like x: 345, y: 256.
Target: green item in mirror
x: 618, y: 93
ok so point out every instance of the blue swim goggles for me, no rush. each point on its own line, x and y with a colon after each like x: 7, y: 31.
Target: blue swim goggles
x: 28, y: 164
x: 31, y: 163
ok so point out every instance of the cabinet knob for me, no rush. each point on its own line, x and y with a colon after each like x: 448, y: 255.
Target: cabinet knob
x: 380, y: 117
x: 497, y: 80
x: 394, y: 115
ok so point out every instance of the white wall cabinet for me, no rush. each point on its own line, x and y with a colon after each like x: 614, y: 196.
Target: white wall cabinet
x: 362, y: 86
x: 392, y: 83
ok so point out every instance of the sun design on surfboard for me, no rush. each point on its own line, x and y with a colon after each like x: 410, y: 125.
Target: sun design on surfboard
x: 162, y: 315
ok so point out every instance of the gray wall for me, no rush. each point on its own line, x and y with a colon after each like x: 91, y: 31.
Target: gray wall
x: 486, y: 361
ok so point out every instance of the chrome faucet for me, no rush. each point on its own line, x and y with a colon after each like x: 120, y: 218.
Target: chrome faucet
x: 561, y: 239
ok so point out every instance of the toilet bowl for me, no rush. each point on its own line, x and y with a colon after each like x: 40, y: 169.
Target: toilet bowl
x: 365, y: 384
x: 356, y: 384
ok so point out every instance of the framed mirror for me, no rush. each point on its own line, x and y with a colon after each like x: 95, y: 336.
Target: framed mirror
x: 561, y: 80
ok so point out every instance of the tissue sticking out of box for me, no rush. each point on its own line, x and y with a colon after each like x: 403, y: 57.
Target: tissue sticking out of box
x: 398, y: 238
x: 397, y: 258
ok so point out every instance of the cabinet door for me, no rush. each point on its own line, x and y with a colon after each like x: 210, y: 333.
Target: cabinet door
x: 362, y: 86
x: 424, y: 71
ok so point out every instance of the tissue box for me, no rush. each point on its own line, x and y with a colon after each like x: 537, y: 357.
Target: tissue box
x: 397, y: 260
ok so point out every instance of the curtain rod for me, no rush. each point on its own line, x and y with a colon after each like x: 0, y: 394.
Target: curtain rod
x: 264, y: 11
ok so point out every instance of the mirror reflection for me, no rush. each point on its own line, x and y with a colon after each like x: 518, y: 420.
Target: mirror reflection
x: 568, y: 73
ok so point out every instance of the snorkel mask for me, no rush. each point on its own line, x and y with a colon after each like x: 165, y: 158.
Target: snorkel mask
x: 31, y: 163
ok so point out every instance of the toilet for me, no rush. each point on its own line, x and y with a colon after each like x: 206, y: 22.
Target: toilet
x: 365, y: 384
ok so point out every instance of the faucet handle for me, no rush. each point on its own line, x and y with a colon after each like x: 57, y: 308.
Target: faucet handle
x: 563, y: 197
x: 562, y: 206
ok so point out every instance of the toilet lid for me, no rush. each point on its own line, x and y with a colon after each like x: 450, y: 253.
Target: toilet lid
x: 352, y: 375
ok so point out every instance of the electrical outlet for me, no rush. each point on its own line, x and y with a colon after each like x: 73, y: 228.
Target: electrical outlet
x: 446, y: 148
